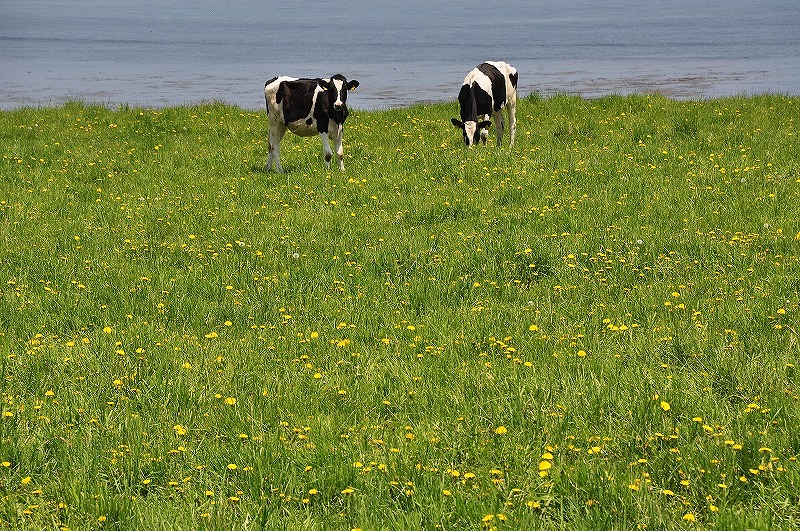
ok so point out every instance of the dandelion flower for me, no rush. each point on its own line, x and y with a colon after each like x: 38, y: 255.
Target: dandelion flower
x: 180, y: 430
x: 501, y: 430
x: 689, y: 517
x: 665, y: 406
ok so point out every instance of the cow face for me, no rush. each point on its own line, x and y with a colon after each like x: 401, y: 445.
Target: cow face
x: 336, y: 88
x: 473, y: 131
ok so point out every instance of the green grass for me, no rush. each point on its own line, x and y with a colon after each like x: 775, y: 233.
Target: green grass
x: 596, y: 329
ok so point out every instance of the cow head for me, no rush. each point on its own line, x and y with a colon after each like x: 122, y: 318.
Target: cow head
x: 336, y: 88
x: 473, y: 131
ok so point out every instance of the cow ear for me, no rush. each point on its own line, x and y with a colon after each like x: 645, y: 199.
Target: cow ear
x: 324, y: 84
x: 352, y: 85
x: 484, y: 124
x: 457, y: 123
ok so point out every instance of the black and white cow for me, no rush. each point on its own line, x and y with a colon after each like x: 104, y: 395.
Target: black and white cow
x: 307, y: 107
x: 486, y: 90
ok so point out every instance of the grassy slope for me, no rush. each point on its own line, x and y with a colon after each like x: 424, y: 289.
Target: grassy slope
x: 188, y: 340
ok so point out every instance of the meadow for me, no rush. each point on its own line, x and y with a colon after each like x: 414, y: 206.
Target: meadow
x: 596, y: 329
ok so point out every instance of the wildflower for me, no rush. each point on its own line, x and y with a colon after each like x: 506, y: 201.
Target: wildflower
x: 446, y: 492
x: 501, y: 430
x: 581, y: 353
x: 107, y: 329
x: 665, y: 406
x: 180, y: 430
x: 230, y: 401
x: 348, y: 490
x: 232, y: 466
x: 689, y: 517
x: 26, y: 480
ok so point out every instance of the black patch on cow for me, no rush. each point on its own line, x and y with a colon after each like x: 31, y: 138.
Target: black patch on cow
x: 498, y: 84
x: 474, y: 102
x: 296, y: 97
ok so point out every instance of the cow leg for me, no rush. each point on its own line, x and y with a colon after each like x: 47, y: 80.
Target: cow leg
x: 512, y: 120
x: 276, y: 132
x: 336, y: 136
x: 326, y: 149
x: 500, y: 124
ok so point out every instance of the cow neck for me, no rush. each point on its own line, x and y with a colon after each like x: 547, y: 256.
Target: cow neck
x: 473, y: 109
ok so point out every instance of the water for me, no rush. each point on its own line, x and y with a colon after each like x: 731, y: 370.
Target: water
x: 153, y: 53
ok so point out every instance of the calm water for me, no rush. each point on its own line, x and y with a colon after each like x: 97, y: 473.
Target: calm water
x: 156, y: 53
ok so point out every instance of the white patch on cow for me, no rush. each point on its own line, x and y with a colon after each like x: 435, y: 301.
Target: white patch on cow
x: 469, y: 131
x: 481, y: 79
x: 338, y: 85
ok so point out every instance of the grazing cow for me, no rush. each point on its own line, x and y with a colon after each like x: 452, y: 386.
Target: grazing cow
x: 307, y: 107
x: 486, y: 90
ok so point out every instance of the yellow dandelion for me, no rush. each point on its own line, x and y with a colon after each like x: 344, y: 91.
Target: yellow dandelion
x: 665, y: 406
x: 230, y: 401
x: 26, y: 480
x: 501, y: 430
x: 689, y: 517
x: 180, y: 430
x: 107, y: 329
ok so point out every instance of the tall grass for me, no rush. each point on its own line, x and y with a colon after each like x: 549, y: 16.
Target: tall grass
x: 596, y: 329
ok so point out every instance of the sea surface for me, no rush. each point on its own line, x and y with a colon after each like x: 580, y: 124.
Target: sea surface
x: 155, y: 53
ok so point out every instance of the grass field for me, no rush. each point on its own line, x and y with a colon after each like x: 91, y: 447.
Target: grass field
x: 597, y: 329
